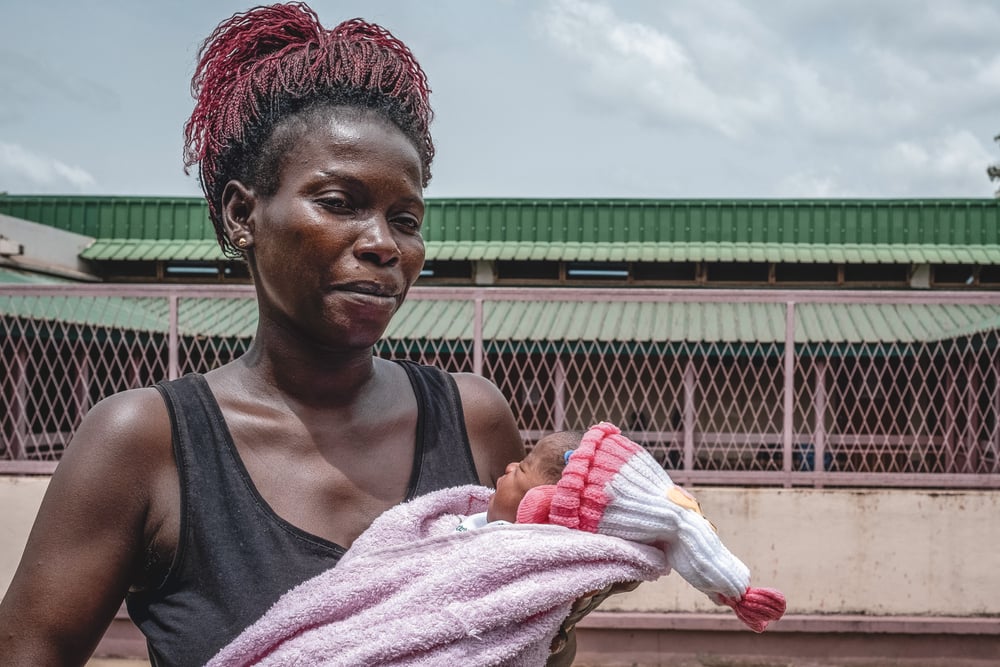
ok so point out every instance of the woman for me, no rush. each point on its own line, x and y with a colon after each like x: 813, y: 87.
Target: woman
x: 202, y: 500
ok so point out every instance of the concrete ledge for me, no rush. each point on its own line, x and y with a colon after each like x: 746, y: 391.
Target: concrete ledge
x: 609, y: 639
x: 832, y: 623
x: 647, y: 639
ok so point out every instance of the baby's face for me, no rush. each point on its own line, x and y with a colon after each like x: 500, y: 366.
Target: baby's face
x: 513, y: 484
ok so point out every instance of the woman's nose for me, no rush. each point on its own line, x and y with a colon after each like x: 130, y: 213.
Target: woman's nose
x: 510, y: 467
x: 376, y: 243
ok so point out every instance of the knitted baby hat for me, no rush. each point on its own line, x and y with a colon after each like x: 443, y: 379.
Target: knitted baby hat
x: 614, y: 487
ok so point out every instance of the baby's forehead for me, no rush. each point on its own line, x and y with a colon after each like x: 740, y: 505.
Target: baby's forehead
x: 560, y: 440
x: 545, y: 447
x: 548, y: 450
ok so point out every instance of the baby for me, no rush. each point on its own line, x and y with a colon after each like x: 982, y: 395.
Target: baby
x: 543, y: 465
x: 602, y: 482
x: 396, y: 589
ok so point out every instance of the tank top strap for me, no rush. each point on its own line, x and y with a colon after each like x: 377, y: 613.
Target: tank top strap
x: 444, y: 453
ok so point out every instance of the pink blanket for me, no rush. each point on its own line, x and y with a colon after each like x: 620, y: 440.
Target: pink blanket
x: 413, y: 591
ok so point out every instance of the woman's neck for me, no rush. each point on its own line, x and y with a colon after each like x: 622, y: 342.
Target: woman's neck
x: 308, y: 373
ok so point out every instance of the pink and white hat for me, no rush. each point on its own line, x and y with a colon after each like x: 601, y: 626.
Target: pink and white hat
x: 614, y: 487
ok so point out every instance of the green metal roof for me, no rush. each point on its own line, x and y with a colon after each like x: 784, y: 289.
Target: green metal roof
x: 538, y: 321
x: 196, y: 317
x: 819, y: 231
x: 208, y: 250
x: 853, y: 253
x: 150, y: 250
x: 11, y: 275
x: 621, y: 321
x: 148, y: 218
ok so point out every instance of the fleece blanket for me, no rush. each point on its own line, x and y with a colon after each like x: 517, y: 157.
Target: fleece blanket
x: 414, y: 591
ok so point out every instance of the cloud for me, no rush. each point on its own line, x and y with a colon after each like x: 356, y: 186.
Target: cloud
x: 809, y: 183
x: 20, y: 164
x: 954, y: 155
x: 950, y: 162
x: 29, y: 82
x: 635, y: 66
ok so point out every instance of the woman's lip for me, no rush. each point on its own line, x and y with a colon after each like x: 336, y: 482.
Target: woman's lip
x: 368, y: 289
x: 377, y: 300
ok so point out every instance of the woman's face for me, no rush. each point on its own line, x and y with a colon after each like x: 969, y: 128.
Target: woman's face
x: 338, y: 244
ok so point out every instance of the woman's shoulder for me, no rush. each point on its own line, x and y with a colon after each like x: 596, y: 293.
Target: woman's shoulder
x: 489, y: 421
x: 132, y: 427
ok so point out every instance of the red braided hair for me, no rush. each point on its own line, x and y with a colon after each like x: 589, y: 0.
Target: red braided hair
x: 260, y: 66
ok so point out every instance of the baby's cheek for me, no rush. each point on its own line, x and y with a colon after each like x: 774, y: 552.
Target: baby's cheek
x: 489, y: 507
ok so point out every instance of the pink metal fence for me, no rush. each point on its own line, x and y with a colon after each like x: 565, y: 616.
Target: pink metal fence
x: 886, y: 409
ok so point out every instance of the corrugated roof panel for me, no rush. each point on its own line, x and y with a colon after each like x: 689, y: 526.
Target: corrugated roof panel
x: 11, y: 275
x: 114, y: 250
x: 578, y: 321
x: 866, y: 323
x: 613, y: 321
x: 438, y: 320
x: 134, y: 313
x: 619, y: 322
x: 153, y: 250
x: 644, y: 319
x: 713, y: 252
x: 217, y: 317
x: 864, y: 328
x: 634, y: 318
x: 960, y: 223
x: 601, y: 323
x: 886, y: 320
x: 506, y: 321
x: 191, y: 252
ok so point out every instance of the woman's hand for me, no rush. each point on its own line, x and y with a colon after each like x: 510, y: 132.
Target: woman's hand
x: 562, y: 651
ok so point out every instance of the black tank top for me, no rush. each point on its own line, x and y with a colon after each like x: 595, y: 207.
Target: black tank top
x: 235, y: 557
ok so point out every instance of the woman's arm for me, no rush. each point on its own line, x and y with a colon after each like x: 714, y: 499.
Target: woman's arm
x: 492, y: 430
x: 87, y: 542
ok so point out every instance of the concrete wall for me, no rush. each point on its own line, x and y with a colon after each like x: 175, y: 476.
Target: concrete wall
x: 872, y: 552
x: 19, y: 501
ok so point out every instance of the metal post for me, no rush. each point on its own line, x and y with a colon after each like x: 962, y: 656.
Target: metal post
x: 972, y: 416
x: 995, y: 437
x: 819, y: 416
x: 19, y: 440
x: 789, y: 423
x: 950, y: 425
x: 477, y: 337
x: 559, y: 408
x: 689, y: 415
x: 173, y: 363
x: 81, y: 389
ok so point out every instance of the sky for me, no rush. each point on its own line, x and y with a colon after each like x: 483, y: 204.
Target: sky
x: 554, y: 98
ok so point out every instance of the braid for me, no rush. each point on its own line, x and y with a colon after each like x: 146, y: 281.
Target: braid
x: 259, y: 67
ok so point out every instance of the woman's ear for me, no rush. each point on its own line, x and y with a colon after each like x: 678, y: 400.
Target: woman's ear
x: 238, y: 202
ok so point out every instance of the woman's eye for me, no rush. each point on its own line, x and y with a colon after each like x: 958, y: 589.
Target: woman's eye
x: 408, y: 223
x: 335, y: 203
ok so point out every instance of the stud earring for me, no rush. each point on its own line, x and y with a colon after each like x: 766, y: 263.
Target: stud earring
x: 242, y: 243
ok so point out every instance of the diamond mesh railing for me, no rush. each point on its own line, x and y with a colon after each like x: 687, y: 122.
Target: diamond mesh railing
x: 817, y: 388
